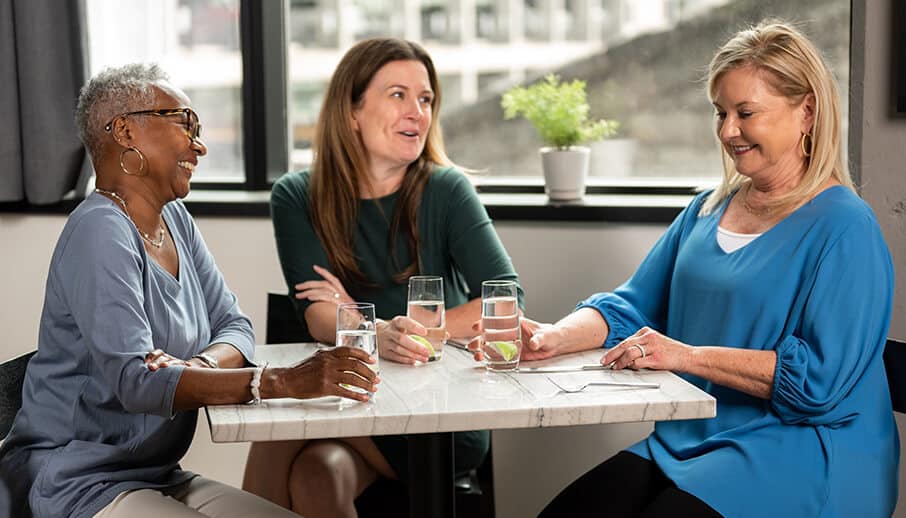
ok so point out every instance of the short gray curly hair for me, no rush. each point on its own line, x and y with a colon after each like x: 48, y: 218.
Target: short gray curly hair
x: 114, y: 91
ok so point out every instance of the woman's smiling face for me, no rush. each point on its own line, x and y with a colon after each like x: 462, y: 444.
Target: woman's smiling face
x: 759, y: 128
x: 171, y: 152
x: 394, y: 115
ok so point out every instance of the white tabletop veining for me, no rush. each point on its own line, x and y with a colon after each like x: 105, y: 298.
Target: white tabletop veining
x: 456, y: 393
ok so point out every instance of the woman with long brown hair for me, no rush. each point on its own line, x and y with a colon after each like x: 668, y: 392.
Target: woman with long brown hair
x: 381, y: 203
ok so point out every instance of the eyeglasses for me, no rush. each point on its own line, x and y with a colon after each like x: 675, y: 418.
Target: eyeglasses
x: 193, y: 127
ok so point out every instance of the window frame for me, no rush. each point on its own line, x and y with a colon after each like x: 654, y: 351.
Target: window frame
x: 267, y: 144
x: 265, y: 128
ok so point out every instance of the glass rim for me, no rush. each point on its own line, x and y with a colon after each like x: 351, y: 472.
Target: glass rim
x: 498, y: 283
x: 355, y: 305
x: 426, y: 278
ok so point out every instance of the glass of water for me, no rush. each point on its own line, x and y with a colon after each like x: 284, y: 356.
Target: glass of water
x: 501, y: 341
x: 426, y: 306
x: 356, y: 328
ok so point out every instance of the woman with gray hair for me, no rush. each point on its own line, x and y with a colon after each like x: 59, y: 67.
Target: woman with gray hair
x: 139, y: 330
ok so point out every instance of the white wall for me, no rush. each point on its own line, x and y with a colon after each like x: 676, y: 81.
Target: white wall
x: 559, y: 263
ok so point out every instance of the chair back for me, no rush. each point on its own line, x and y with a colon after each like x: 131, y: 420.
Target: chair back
x: 12, y: 376
x: 895, y: 365
x: 283, y: 326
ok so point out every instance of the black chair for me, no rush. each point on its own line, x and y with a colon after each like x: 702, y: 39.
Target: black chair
x: 895, y: 365
x: 283, y: 326
x: 474, y: 491
x: 12, y: 376
x: 474, y: 496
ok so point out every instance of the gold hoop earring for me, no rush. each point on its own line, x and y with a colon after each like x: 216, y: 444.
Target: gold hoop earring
x: 806, y: 148
x: 123, y: 164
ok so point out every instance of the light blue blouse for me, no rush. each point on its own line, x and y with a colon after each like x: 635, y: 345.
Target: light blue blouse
x: 817, y: 289
x: 95, y: 420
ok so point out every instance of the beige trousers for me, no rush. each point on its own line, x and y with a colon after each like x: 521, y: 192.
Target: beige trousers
x: 200, y: 497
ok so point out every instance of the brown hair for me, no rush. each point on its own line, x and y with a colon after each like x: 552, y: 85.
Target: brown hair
x: 341, y: 162
x: 794, y: 68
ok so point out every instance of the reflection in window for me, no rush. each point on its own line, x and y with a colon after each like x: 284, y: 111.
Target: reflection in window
x: 197, y: 43
x: 643, y: 61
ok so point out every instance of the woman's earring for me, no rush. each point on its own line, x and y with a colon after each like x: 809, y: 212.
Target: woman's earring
x: 806, y: 148
x: 140, y: 156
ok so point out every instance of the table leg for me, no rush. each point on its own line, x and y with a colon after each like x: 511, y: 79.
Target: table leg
x: 431, y: 490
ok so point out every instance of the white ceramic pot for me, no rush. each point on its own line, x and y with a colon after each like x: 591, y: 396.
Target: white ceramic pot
x: 565, y: 171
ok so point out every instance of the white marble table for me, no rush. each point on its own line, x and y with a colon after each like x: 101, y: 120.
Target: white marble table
x: 456, y: 394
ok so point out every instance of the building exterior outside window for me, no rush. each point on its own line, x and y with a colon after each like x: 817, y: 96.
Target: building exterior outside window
x: 643, y: 60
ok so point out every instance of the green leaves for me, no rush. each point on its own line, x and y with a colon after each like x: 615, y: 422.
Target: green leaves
x: 559, y: 111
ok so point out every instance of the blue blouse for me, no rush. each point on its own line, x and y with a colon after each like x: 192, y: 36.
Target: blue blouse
x: 817, y: 289
x: 95, y: 421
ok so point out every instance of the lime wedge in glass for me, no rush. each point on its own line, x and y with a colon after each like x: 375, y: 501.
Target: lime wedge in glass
x: 507, y: 349
x: 424, y: 341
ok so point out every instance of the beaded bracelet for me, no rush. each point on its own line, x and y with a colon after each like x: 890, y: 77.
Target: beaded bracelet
x: 255, y: 385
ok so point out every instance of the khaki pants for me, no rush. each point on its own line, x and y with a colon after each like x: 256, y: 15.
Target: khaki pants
x: 200, y: 497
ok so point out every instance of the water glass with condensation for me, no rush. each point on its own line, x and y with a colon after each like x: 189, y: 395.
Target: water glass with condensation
x: 426, y: 306
x: 501, y: 340
x: 356, y: 328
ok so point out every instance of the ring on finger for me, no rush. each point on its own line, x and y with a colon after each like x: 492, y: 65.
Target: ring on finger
x: 336, y: 294
x: 641, y: 349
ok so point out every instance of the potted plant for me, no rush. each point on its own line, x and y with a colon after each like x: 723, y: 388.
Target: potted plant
x: 559, y: 112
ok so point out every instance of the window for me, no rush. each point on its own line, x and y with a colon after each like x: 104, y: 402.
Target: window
x: 643, y: 60
x: 197, y: 44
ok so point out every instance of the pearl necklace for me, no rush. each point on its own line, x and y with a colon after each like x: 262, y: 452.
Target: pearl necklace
x: 162, y: 232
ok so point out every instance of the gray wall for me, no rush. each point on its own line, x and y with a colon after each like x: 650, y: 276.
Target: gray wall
x: 882, y: 147
x: 881, y: 153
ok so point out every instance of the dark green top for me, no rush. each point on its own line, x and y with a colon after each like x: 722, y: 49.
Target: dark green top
x: 458, y: 242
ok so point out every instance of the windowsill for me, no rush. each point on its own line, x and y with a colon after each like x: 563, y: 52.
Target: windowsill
x: 629, y: 200
x: 622, y: 201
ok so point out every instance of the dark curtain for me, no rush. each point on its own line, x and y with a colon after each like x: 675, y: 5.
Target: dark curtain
x: 42, y: 67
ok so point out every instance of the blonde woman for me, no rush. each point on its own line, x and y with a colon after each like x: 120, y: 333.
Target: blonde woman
x: 773, y: 293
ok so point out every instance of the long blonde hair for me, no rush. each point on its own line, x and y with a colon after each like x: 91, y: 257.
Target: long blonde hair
x: 341, y: 161
x: 794, y: 69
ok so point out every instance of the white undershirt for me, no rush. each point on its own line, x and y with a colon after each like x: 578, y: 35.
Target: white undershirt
x: 733, y: 241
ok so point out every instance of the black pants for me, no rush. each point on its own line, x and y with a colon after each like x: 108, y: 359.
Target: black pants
x: 626, y: 485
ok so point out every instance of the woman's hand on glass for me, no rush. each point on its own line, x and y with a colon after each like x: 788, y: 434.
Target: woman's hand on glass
x: 396, y: 342
x: 529, y: 329
x: 648, y: 349
x: 540, y: 340
x: 328, y: 290
x: 323, y: 373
